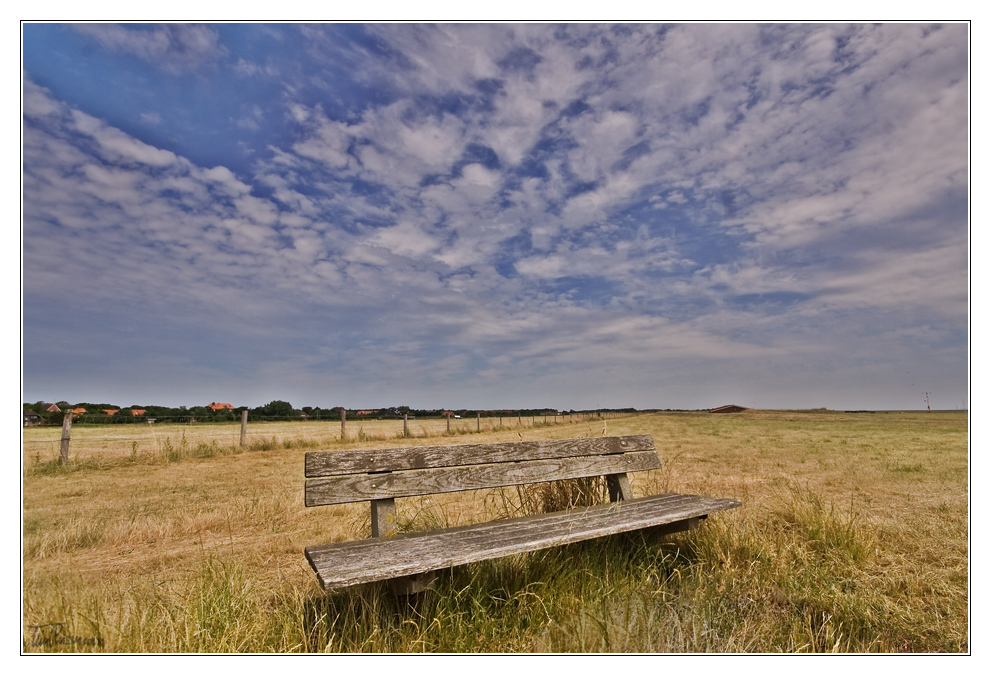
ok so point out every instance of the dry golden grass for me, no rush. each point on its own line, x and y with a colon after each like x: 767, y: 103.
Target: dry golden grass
x: 852, y: 537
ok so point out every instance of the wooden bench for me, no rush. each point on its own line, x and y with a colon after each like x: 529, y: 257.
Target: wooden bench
x: 380, y: 476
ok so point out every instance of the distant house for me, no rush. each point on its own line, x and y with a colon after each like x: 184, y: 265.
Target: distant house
x: 138, y: 411
x: 730, y: 408
x: 111, y: 411
x: 52, y: 408
x: 366, y: 412
x: 31, y: 418
x: 78, y: 411
x: 215, y: 406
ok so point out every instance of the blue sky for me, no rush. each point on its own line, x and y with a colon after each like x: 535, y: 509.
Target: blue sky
x: 489, y: 216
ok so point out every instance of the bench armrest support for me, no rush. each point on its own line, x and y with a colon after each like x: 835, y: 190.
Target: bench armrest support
x: 619, y: 487
x: 384, y: 517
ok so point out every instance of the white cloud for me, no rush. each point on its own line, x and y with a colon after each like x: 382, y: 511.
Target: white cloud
x: 329, y: 141
x: 171, y: 47
x: 605, y: 137
x: 250, y: 121
x: 249, y: 69
x: 224, y: 178
x: 119, y: 145
x: 404, y: 239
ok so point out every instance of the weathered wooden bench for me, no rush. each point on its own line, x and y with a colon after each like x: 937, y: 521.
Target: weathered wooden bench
x: 380, y: 476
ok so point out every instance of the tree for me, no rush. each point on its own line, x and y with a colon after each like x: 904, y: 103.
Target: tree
x: 275, y: 408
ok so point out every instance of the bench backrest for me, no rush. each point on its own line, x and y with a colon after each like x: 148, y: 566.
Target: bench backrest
x: 335, y: 477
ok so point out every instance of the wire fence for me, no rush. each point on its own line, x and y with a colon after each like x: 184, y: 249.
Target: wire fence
x: 42, y: 443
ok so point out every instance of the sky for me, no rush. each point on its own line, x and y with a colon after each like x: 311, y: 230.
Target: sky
x: 496, y: 215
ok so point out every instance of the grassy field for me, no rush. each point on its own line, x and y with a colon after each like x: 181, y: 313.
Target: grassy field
x: 853, y: 537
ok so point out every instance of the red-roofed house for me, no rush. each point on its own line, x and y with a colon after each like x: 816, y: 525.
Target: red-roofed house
x: 220, y: 407
x: 138, y: 411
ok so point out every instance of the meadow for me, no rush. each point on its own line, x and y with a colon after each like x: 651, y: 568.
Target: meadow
x: 853, y: 537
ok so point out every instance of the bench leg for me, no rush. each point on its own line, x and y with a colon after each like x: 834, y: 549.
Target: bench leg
x: 413, y: 584
x: 655, y: 533
x: 384, y: 525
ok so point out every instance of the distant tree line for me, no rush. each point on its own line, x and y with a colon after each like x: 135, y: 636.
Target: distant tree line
x: 113, y: 414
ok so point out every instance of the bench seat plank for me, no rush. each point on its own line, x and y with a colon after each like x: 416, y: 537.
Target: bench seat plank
x: 358, y: 461
x: 344, y: 564
x: 332, y: 490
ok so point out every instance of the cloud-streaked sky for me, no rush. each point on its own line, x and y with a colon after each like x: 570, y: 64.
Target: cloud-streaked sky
x: 488, y: 216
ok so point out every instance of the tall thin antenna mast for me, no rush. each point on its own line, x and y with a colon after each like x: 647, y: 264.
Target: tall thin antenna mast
x: 927, y: 403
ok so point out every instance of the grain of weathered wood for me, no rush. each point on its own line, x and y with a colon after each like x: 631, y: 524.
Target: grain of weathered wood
x: 332, y: 490
x: 349, y: 563
x: 329, y: 463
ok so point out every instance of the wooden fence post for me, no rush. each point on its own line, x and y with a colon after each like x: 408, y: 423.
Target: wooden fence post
x: 448, y: 422
x: 66, y: 433
x: 344, y: 424
x: 478, y: 419
x: 405, y: 425
x: 244, y: 427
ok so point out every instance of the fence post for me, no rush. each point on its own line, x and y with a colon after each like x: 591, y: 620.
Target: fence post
x: 344, y: 424
x: 448, y: 415
x: 66, y: 433
x: 244, y: 427
x: 406, y: 425
x: 478, y: 419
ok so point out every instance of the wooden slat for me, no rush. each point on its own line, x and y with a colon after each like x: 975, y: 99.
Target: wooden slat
x: 329, y: 463
x: 332, y: 490
x: 349, y: 563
